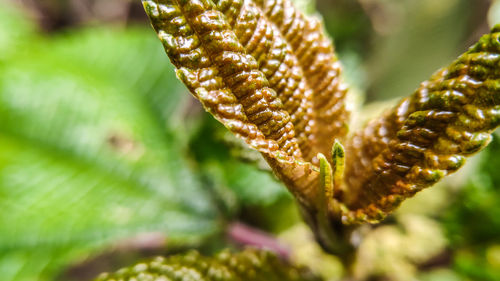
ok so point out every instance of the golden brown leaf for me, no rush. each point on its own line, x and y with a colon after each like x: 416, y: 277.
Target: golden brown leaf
x: 428, y: 135
x: 269, y: 74
x: 218, y: 71
x: 321, y: 68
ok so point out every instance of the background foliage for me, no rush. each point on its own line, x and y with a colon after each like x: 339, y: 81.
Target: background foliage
x: 105, y: 158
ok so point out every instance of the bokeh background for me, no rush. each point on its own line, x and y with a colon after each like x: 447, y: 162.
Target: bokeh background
x: 105, y: 159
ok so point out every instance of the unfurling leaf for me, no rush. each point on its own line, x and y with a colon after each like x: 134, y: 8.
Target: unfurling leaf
x: 270, y: 77
x: 249, y: 265
x: 269, y: 74
x: 428, y: 135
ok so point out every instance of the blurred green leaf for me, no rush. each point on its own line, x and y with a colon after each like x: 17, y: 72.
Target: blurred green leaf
x: 473, y: 221
x: 89, y: 152
x: 245, y: 186
x: 222, y: 165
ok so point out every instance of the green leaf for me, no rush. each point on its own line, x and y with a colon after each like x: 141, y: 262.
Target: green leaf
x: 89, y: 154
x: 249, y: 265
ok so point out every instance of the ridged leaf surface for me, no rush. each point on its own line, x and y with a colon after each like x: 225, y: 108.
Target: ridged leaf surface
x: 269, y: 73
x: 248, y: 265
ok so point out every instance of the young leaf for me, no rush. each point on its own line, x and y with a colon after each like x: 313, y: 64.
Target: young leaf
x: 246, y: 72
x: 320, y: 68
x: 228, y: 52
x: 217, y: 70
x: 428, y: 135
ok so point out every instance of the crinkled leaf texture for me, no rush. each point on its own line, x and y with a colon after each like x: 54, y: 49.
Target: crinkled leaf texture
x: 248, y: 265
x: 88, y: 153
x: 427, y: 135
x: 269, y: 74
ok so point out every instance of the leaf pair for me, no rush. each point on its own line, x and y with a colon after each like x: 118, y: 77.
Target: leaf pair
x: 269, y: 74
x: 270, y: 77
